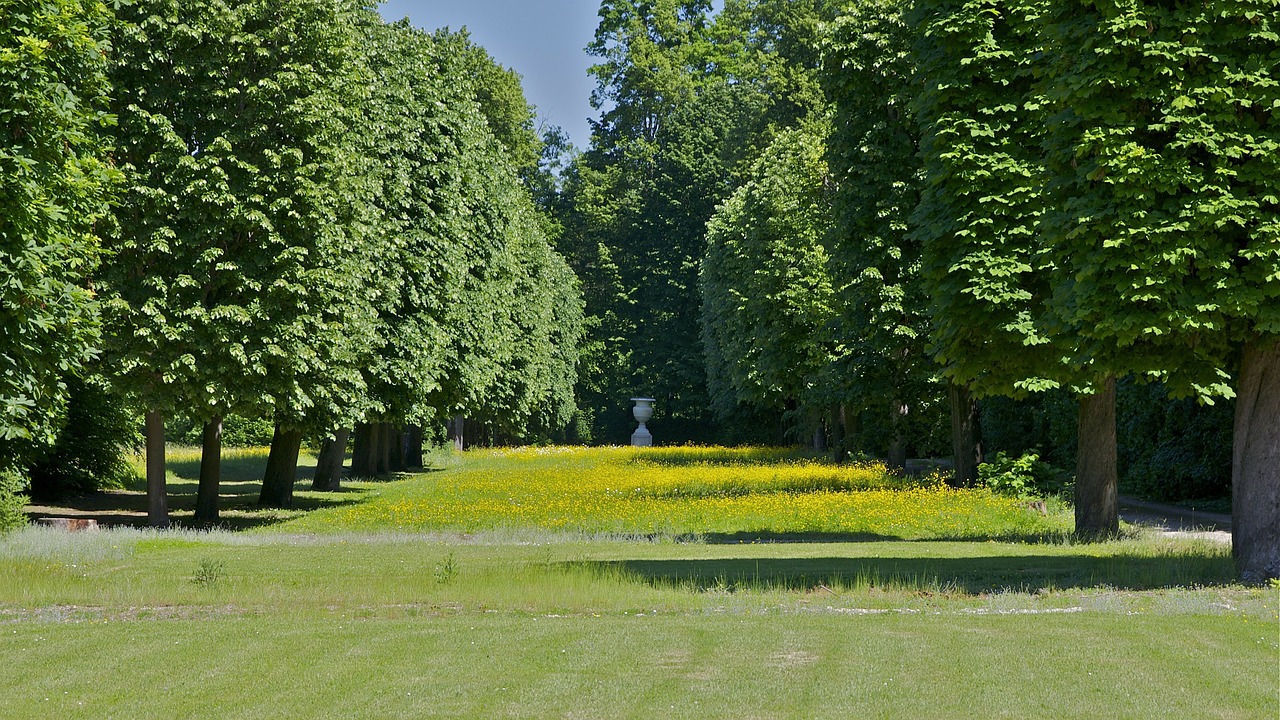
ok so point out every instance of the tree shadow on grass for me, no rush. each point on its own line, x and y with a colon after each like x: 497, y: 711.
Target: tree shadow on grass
x: 238, y: 507
x: 962, y: 575
x: 808, y: 538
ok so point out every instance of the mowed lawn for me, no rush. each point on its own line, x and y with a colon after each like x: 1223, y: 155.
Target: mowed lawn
x: 584, y: 610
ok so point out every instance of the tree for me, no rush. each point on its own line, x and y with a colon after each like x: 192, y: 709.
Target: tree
x: 979, y: 221
x: 498, y: 93
x: 230, y: 284
x: 476, y: 312
x: 873, y: 149
x: 1165, y: 229
x: 767, y: 296
x: 55, y: 180
x: 416, y: 123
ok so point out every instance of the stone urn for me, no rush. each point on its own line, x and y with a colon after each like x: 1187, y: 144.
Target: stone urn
x: 642, y: 412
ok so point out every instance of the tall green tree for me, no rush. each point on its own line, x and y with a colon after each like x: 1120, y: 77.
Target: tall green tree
x: 689, y: 100
x: 979, y: 220
x: 767, y: 295
x: 1164, y: 158
x: 515, y: 333
x: 416, y: 125
x: 476, y: 312
x: 55, y: 180
x: 498, y: 93
x: 231, y: 278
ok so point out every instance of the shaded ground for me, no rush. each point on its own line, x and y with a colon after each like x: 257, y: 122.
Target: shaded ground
x: 237, y: 500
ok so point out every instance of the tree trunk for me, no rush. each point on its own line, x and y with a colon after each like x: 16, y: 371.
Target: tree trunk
x: 836, y: 421
x: 455, y: 427
x: 413, y: 450
x: 897, y: 459
x: 282, y: 469
x: 819, y: 439
x: 210, y: 473
x: 1255, y: 464
x: 395, y: 448
x: 329, y: 465
x: 157, y: 492
x: 1097, y: 512
x: 362, y: 450
x: 382, y: 450
x: 966, y: 435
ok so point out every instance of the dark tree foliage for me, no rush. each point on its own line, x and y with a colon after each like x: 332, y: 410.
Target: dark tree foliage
x: 91, y: 452
x: 883, y: 365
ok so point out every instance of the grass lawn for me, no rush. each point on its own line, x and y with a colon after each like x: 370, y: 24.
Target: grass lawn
x: 324, y: 613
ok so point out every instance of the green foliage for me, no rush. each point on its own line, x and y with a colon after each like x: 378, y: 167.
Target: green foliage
x: 882, y: 363
x: 1172, y: 449
x: 423, y: 131
x: 1043, y: 423
x: 478, y: 314
x: 54, y: 185
x: 209, y: 573
x: 1164, y: 159
x: 447, y: 571
x: 981, y: 203
x: 237, y: 431
x: 497, y: 90
x: 1167, y: 449
x: 93, y: 446
x: 235, y: 281
x: 652, y: 55
x: 12, y: 486
x: 1082, y: 219
x: 765, y: 275
x: 689, y: 103
x: 1022, y: 477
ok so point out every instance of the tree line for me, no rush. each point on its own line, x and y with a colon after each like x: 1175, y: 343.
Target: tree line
x: 291, y: 210
x: 869, y: 223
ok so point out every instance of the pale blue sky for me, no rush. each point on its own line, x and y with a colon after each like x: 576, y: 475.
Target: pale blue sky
x: 541, y: 40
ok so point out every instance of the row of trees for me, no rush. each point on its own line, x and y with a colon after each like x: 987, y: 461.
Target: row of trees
x: 866, y: 217
x: 317, y: 217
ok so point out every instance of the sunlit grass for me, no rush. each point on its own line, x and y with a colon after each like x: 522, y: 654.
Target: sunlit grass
x: 682, y: 491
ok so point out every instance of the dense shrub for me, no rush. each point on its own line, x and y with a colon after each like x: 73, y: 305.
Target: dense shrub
x: 1022, y: 477
x: 91, y: 452
x: 1044, y: 423
x: 1167, y: 449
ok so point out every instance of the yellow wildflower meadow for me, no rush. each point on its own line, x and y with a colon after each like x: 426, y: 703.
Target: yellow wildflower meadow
x: 681, y: 491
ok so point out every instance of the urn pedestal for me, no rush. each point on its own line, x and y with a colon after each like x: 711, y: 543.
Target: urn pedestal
x: 642, y: 412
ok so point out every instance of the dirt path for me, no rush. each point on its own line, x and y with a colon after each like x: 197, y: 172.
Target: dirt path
x: 1176, y: 520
